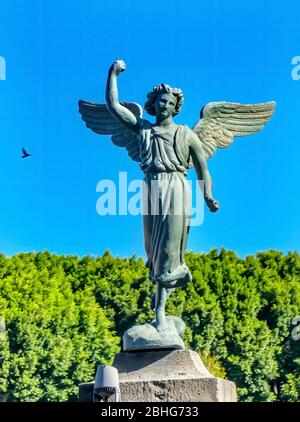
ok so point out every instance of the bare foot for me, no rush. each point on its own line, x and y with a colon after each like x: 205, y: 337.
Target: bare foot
x: 162, y: 328
x: 162, y: 325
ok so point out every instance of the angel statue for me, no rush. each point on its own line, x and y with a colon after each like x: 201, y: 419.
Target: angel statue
x: 165, y: 151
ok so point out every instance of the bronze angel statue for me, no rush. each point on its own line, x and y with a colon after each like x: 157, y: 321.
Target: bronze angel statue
x: 164, y: 151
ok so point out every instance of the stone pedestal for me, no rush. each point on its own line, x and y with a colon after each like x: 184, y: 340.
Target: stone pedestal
x: 166, y: 376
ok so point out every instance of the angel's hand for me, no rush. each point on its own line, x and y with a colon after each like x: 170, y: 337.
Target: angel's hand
x: 212, y: 204
x: 118, y: 66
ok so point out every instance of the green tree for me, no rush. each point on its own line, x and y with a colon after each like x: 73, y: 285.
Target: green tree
x: 65, y: 315
x: 54, y: 337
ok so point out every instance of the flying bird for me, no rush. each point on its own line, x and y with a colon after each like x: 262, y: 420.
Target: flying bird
x: 25, y: 153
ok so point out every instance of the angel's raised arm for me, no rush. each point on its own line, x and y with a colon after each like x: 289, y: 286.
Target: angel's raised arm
x: 121, y: 113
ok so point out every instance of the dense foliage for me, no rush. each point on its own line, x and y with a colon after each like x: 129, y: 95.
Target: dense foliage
x: 64, y: 315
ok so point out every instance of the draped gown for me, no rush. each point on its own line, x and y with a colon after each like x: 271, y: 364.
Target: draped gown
x: 164, y: 157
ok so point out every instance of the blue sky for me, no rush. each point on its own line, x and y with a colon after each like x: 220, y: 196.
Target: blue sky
x: 59, y: 51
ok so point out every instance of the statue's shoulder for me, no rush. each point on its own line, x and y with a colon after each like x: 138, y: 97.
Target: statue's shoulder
x: 185, y: 130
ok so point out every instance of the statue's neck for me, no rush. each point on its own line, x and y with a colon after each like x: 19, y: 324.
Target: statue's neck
x: 164, y: 122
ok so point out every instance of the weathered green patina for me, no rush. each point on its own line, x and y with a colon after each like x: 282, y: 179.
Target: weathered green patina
x: 165, y: 151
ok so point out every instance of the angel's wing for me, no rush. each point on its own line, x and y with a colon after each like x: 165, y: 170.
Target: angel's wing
x: 100, y: 120
x: 222, y: 121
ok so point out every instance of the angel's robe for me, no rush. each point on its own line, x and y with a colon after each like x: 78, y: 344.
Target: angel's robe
x: 164, y: 155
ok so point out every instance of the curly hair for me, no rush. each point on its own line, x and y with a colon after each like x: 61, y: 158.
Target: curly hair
x: 163, y: 89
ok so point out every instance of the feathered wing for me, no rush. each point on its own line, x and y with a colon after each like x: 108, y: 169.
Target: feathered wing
x: 222, y: 121
x: 100, y: 120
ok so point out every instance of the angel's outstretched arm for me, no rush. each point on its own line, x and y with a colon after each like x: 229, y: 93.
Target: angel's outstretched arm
x: 202, y: 171
x: 125, y: 116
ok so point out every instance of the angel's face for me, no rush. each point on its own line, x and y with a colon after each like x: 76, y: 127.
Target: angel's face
x: 165, y: 105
